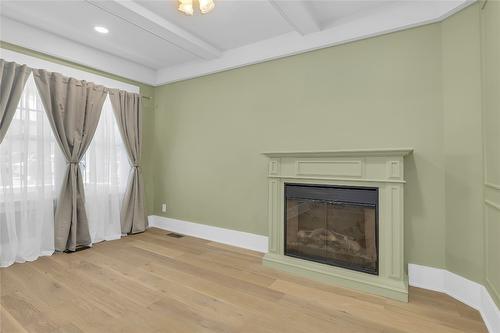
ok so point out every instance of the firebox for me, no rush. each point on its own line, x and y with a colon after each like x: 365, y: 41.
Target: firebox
x: 333, y: 225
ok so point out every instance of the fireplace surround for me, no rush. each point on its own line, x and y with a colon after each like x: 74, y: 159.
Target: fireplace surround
x: 337, y: 217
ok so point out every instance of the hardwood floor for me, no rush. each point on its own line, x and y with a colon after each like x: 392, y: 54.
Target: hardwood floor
x: 155, y: 283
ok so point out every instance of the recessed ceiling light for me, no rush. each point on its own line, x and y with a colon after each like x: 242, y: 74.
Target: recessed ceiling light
x: 101, y: 29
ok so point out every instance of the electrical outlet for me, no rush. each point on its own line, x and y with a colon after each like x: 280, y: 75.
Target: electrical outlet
x: 163, y: 207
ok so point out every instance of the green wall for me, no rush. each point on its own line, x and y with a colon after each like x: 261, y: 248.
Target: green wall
x: 382, y: 92
x: 419, y: 88
x: 461, y: 63
x: 148, y: 107
x: 490, y: 31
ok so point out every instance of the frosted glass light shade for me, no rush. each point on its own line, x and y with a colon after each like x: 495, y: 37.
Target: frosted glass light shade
x: 186, y: 6
x: 206, y: 6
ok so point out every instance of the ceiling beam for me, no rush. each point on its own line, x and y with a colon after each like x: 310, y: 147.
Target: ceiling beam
x: 143, y: 18
x: 297, y: 15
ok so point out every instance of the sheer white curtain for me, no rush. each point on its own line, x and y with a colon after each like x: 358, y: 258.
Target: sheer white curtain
x: 105, y: 170
x: 31, y: 170
x: 30, y: 163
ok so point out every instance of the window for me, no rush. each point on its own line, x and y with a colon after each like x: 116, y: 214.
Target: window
x: 31, y: 169
x: 29, y: 155
x: 31, y: 166
x: 105, y: 169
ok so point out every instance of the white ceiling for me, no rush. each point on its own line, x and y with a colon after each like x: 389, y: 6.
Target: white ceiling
x: 233, y: 24
x: 328, y: 13
x: 150, y: 41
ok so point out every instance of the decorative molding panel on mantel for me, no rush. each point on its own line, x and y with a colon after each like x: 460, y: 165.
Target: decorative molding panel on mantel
x: 340, y: 165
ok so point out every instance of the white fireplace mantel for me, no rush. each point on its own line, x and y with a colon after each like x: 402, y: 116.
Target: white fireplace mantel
x: 380, y: 168
x: 342, y: 152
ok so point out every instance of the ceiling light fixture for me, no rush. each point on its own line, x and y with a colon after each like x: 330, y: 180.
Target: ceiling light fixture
x: 206, y: 6
x: 101, y: 29
x: 186, y: 6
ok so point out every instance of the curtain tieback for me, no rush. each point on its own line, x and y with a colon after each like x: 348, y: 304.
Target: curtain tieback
x: 135, y: 165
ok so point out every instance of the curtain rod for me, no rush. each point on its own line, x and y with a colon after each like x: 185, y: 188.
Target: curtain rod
x: 66, y: 79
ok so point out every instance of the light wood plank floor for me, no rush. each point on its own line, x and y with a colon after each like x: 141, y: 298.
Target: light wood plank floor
x: 154, y: 283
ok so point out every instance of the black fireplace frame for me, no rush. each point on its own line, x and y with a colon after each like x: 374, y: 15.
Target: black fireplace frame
x: 333, y: 262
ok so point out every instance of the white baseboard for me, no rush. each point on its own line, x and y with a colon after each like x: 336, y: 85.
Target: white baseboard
x: 466, y: 291
x: 226, y: 236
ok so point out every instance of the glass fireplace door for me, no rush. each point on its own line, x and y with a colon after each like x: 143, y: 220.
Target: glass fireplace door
x: 332, y: 225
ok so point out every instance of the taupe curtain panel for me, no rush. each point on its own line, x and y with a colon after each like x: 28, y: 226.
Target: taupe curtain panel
x: 73, y: 108
x: 127, y: 108
x: 13, y: 77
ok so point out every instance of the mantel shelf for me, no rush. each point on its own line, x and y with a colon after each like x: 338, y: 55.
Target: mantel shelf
x: 341, y: 153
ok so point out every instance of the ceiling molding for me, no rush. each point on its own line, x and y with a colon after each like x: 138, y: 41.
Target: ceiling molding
x: 20, y: 34
x: 399, y: 16
x: 143, y: 18
x: 297, y: 15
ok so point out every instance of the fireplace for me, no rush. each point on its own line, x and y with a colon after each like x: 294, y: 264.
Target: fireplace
x: 338, y: 217
x: 334, y: 225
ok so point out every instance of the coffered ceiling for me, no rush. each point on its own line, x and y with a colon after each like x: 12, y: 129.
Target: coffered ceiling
x: 152, y: 42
